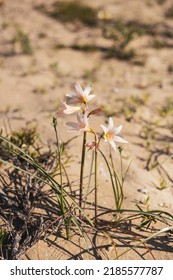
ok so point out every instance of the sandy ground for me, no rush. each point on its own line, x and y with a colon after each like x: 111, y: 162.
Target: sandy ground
x: 32, y: 85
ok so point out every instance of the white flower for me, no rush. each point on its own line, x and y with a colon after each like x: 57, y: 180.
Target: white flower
x: 80, y: 96
x: 70, y: 109
x: 82, y: 124
x: 110, y: 134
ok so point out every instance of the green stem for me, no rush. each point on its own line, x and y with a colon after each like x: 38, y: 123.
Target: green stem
x: 89, y: 180
x: 82, y: 172
x: 111, y: 177
x: 96, y: 202
x: 60, y: 165
x: 116, y: 190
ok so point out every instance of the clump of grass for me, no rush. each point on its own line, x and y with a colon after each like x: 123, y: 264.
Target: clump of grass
x: 169, y: 12
x: 85, y: 47
x: 23, y: 40
x: 59, y: 46
x: 167, y: 108
x: 24, y: 136
x: 148, y: 132
x: 122, y: 34
x: 120, y: 53
x: 124, y: 30
x: 158, y: 44
x: 54, y: 67
x: 163, y: 184
x: 73, y: 12
x: 40, y: 90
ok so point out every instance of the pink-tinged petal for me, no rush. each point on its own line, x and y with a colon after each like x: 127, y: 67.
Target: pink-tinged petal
x: 90, y: 145
x: 79, y: 90
x: 113, y: 144
x: 71, y: 95
x: 73, y: 126
x: 79, y: 118
x: 111, y: 124
x: 70, y: 109
x: 96, y: 111
x: 120, y: 139
x: 117, y: 130
x: 90, y: 97
x: 85, y: 117
x: 86, y: 128
x: 87, y: 91
x: 105, y: 129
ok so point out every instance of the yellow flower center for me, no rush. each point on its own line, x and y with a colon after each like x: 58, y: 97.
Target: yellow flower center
x: 84, y: 99
x: 109, y: 135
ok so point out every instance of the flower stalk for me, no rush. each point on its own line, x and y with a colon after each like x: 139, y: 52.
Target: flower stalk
x: 82, y: 171
x: 95, y: 181
x: 60, y: 165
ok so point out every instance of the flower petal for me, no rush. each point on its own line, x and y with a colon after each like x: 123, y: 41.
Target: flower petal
x: 113, y: 144
x: 120, y: 139
x: 87, y: 91
x: 79, y: 90
x: 80, y: 118
x: 86, y: 128
x: 105, y: 129
x: 117, y: 130
x: 90, y: 97
x: 86, y: 117
x: 73, y: 126
x: 70, y: 109
x: 111, y: 123
x: 71, y: 95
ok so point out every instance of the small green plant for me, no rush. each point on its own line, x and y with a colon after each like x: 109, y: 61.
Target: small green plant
x: 159, y: 44
x: 147, y: 220
x: 54, y: 67
x: 73, y: 12
x: 84, y: 47
x: 169, y: 12
x: 23, y: 40
x: 3, y: 235
x: 122, y: 33
x: 120, y: 52
x: 40, y: 90
x: 163, y: 184
x: 166, y: 109
x: 25, y: 138
x: 148, y: 132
